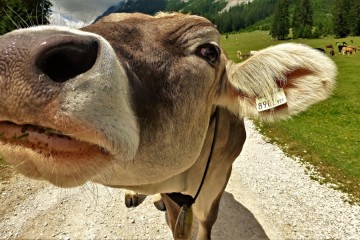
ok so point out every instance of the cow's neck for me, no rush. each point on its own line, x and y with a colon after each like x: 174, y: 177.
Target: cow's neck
x: 182, y: 202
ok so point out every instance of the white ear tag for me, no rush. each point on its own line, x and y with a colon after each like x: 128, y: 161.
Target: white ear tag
x: 263, y: 104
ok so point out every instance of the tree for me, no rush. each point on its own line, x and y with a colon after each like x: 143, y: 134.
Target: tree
x: 38, y: 11
x: 15, y: 14
x: 322, y: 15
x: 302, y: 22
x: 340, y: 18
x: 354, y: 18
x: 281, y: 23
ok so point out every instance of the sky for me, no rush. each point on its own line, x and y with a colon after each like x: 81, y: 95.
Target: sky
x: 78, y: 13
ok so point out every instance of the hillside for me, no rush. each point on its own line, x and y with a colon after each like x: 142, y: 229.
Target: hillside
x: 233, y: 3
x: 207, y: 8
x: 228, y: 15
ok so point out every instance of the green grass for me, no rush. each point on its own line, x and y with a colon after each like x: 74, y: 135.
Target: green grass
x: 328, y: 134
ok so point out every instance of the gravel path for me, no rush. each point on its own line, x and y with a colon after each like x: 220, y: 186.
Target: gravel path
x: 269, y: 196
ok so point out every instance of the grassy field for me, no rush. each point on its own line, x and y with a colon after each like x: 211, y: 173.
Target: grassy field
x: 328, y: 135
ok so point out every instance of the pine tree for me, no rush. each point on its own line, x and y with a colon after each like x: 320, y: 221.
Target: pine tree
x: 38, y: 11
x: 302, y: 19
x: 23, y: 13
x: 281, y: 23
x: 354, y: 18
x: 322, y: 17
x: 341, y: 18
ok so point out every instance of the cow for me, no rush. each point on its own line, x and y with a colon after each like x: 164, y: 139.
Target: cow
x: 146, y: 103
x: 341, y: 46
x: 348, y: 50
x: 354, y: 48
x: 332, y: 52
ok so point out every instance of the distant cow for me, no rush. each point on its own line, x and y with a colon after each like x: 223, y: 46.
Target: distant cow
x: 341, y: 45
x: 354, y: 48
x: 332, y: 52
x: 331, y: 49
x: 348, y: 50
x: 146, y: 103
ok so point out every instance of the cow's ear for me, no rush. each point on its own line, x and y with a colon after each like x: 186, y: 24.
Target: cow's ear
x: 277, y: 82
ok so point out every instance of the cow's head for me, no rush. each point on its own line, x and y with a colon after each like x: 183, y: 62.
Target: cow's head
x: 127, y: 101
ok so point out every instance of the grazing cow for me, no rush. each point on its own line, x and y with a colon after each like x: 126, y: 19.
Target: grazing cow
x: 354, y: 48
x: 332, y: 52
x: 341, y: 45
x: 149, y: 104
x: 348, y: 50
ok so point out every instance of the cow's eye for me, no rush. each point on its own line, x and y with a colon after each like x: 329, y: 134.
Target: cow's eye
x: 209, y: 52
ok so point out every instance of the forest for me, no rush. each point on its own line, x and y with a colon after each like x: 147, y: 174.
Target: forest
x: 301, y: 18
x: 283, y: 18
x: 16, y: 14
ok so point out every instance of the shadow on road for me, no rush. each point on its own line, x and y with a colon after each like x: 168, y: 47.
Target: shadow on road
x: 236, y: 222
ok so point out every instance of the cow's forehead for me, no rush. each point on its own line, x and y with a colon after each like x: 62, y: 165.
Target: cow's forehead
x: 168, y: 25
x: 116, y: 17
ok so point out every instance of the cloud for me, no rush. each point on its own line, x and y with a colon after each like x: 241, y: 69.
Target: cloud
x: 58, y: 18
x: 78, y: 13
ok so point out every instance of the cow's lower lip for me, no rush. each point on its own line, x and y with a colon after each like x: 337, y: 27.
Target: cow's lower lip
x: 44, y: 153
x: 43, y: 140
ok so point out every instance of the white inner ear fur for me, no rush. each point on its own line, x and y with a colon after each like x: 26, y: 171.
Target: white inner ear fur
x: 306, y: 75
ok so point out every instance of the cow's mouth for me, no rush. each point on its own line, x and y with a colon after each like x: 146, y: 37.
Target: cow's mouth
x: 44, y: 153
x: 45, y: 141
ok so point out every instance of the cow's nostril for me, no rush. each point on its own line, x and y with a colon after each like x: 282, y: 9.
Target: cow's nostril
x: 68, y: 59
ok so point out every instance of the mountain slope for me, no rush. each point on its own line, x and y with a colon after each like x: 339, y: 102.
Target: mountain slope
x: 233, y: 3
x: 228, y: 15
x: 153, y: 6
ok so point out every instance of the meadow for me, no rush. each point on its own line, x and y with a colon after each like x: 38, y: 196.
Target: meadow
x: 327, y: 135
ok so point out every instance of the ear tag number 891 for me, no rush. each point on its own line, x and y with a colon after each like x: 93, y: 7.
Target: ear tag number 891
x: 263, y: 104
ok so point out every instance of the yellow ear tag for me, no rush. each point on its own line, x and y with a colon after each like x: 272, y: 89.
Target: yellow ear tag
x: 279, y: 98
x: 184, y: 222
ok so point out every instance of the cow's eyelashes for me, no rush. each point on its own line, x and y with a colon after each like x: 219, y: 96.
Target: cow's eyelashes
x: 209, y: 52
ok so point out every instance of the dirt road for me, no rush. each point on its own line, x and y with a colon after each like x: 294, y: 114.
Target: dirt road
x: 269, y: 196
